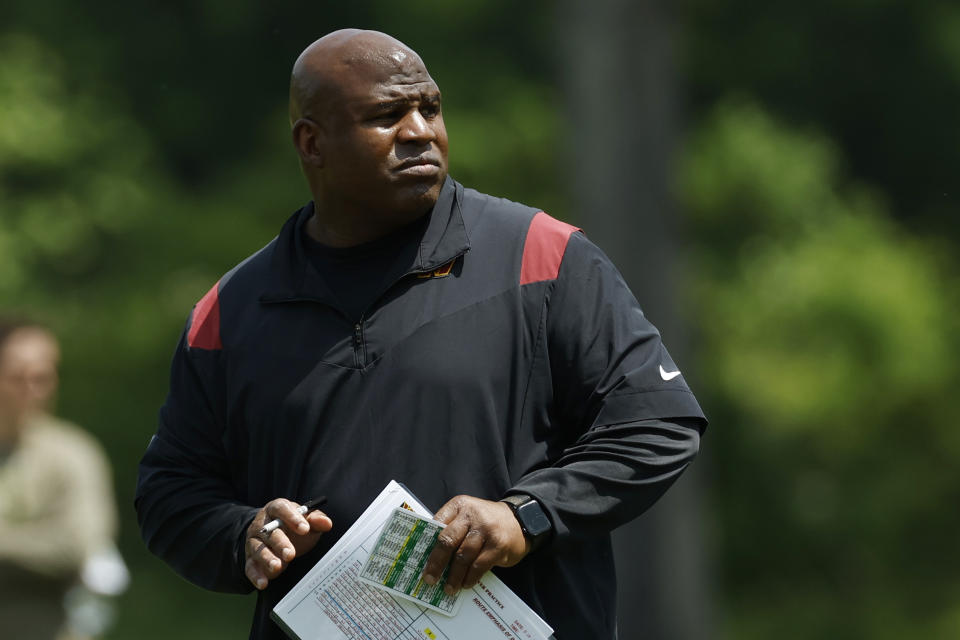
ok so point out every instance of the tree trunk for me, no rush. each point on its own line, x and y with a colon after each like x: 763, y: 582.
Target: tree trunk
x: 618, y: 67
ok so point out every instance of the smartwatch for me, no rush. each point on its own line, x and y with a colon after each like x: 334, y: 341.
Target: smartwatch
x: 533, y: 520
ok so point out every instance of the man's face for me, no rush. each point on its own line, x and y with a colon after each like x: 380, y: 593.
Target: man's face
x: 28, y: 374
x: 386, y: 144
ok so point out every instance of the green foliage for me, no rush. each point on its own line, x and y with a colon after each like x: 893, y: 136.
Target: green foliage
x: 943, y: 24
x: 71, y: 179
x: 87, y: 234
x: 139, y: 164
x: 829, y: 350
x: 881, y: 78
x: 522, y: 131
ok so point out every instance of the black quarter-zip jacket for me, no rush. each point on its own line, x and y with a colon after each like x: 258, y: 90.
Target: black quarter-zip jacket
x: 510, y: 357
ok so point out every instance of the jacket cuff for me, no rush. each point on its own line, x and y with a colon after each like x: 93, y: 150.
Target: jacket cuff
x: 240, y: 553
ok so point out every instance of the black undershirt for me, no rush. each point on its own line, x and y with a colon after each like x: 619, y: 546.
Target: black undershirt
x: 358, y: 275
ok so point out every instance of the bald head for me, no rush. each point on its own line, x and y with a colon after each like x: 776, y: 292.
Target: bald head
x: 366, y: 122
x: 317, y: 77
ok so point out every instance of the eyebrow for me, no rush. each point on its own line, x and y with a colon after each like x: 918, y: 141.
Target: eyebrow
x: 393, y: 102
x: 388, y: 104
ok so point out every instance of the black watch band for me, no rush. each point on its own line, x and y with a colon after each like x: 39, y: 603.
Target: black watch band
x: 534, y: 523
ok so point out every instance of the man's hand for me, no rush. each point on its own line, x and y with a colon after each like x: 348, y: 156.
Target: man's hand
x: 480, y: 534
x: 269, y: 555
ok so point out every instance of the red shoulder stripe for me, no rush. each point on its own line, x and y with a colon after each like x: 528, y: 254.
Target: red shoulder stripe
x: 544, y: 248
x: 205, y: 324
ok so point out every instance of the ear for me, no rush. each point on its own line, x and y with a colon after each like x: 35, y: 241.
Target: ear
x: 309, y: 139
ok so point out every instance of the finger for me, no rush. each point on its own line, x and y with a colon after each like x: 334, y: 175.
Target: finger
x: 463, y: 559
x: 319, y: 524
x: 261, y: 561
x: 280, y: 544
x: 264, y: 556
x: 254, y: 575
x: 450, y: 510
x: 448, y: 541
x: 287, y: 512
x: 486, y: 560
x: 258, y: 549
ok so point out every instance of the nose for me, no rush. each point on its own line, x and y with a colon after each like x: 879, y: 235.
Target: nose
x: 416, y: 129
x: 39, y: 386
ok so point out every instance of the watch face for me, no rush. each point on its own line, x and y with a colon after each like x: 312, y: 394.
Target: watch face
x: 532, y: 518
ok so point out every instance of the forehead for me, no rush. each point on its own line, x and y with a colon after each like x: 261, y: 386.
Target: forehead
x: 28, y: 348
x: 388, y: 74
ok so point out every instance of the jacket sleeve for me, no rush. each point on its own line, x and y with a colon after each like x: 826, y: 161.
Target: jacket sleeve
x: 626, y: 422
x: 187, y: 507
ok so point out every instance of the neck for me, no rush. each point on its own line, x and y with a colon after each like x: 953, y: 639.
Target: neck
x: 350, y: 231
x: 10, y: 429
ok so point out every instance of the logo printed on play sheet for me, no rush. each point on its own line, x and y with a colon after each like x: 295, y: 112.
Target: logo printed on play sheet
x: 668, y: 375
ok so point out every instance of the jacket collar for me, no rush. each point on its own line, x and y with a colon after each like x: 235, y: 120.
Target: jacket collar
x: 292, y: 276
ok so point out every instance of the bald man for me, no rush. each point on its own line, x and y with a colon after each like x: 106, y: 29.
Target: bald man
x: 401, y: 326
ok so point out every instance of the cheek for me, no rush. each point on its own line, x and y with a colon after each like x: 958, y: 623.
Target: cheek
x: 13, y: 398
x: 360, y: 155
x: 441, y: 134
x: 375, y: 144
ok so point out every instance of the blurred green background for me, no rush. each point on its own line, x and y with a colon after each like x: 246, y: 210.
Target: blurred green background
x: 144, y: 150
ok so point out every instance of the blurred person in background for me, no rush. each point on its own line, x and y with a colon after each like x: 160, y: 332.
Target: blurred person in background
x: 58, y: 519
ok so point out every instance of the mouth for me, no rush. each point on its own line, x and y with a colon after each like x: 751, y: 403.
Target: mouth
x: 419, y: 166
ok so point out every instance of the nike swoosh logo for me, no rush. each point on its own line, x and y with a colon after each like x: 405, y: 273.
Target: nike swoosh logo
x: 668, y: 375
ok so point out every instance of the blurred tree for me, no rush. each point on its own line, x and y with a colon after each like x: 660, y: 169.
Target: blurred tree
x: 63, y: 198
x: 828, y: 342
x: 204, y: 78
x: 621, y: 156
x: 86, y: 232
x: 881, y: 78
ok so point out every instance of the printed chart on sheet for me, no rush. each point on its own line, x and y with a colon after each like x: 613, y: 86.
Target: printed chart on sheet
x: 332, y: 602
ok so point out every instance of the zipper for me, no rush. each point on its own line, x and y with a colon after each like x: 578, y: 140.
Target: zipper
x: 358, y: 356
x: 359, y: 348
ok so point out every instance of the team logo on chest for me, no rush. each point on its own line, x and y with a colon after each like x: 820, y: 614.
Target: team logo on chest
x: 439, y: 272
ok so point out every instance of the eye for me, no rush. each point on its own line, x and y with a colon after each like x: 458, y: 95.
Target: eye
x: 430, y: 109
x: 389, y: 115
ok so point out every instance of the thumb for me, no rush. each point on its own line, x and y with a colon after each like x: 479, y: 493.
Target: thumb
x: 319, y: 521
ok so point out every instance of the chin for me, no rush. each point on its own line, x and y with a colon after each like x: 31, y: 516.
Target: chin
x: 418, y: 198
